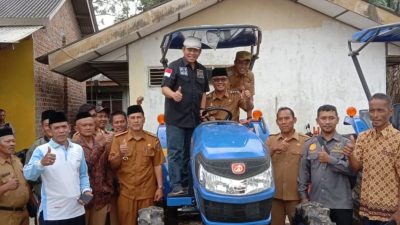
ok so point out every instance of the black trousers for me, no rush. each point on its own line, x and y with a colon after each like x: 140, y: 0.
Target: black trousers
x: 80, y: 220
x: 341, y: 216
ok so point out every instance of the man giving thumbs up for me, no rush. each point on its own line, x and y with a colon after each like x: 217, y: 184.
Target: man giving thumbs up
x: 62, y: 167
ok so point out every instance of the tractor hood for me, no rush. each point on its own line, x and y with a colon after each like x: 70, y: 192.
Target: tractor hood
x: 227, y: 140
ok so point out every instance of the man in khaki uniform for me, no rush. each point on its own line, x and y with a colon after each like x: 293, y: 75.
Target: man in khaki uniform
x: 137, y: 156
x: 285, y: 149
x: 224, y: 98
x: 14, y: 192
x: 240, y: 76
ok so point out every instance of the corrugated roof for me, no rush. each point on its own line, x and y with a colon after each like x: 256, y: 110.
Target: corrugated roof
x: 27, y: 8
x: 14, y: 34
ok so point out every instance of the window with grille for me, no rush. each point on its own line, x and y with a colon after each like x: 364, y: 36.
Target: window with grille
x: 155, y: 76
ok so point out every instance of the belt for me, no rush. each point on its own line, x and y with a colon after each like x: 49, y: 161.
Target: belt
x: 4, y: 208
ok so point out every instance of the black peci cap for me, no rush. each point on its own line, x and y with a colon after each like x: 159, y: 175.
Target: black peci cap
x: 82, y: 115
x: 57, y: 117
x: 134, y: 109
x: 219, y: 72
x: 46, y: 114
x: 6, y: 131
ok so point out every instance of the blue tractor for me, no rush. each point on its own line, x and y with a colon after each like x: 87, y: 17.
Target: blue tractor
x: 230, y: 164
x: 385, y: 33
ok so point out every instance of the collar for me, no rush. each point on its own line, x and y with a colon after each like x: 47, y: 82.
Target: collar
x: 54, y: 144
x: 294, y: 136
x: 137, y: 138
x: 3, y: 161
x: 47, y: 139
x: 186, y: 63
x: 84, y: 144
x: 214, y: 96
x: 337, y: 137
x: 385, y: 132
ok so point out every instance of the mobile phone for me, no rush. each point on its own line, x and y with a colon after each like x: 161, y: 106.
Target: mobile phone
x: 85, y: 198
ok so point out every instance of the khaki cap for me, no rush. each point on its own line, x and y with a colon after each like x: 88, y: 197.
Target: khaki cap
x: 243, y: 55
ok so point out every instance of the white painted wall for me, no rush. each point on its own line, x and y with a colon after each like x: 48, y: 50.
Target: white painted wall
x: 303, y: 62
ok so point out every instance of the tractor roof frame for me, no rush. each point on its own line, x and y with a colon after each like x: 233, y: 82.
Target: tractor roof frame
x: 215, y: 37
x: 385, y: 33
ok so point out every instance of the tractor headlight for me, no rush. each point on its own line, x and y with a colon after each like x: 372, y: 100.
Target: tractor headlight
x: 227, y: 186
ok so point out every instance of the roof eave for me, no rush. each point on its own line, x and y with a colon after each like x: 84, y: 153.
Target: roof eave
x: 124, y: 33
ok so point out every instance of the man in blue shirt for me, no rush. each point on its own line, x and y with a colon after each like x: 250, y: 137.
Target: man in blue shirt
x: 62, y: 167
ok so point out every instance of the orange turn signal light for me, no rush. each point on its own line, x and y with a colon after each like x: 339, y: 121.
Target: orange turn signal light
x: 351, y: 111
x: 257, y: 114
x: 161, y: 119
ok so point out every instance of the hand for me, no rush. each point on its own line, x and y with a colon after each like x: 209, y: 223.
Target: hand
x: 177, y: 95
x: 101, y: 139
x: 396, y: 217
x: 246, y: 95
x: 109, y: 137
x: 12, y: 183
x: 158, y: 195
x: 281, y: 147
x: 323, y: 156
x: 349, y: 147
x: 85, y: 193
x: 139, y: 100
x: 49, y: 158
x: 123, y: 148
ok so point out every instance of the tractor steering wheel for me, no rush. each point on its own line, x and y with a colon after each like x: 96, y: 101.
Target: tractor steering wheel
x: 209, y: 109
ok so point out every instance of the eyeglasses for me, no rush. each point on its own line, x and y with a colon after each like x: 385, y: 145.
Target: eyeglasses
x: 216, y: 80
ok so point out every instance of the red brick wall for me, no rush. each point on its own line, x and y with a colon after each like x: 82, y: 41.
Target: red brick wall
x: 51, y: 91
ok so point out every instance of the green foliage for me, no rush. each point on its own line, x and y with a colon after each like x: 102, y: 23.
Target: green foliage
x: 122, y: 9
x: 148, y: 4
x: 391, y: 5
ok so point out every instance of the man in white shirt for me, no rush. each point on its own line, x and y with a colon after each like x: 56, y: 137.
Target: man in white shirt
x: 62, y: 167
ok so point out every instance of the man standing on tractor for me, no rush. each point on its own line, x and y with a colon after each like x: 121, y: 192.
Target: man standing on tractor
x: 240, y: 76
x: 227, y: 99
x: 184, y: 86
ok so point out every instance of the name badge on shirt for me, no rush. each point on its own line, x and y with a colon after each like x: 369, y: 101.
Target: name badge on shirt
x: 200, y: 74
x: 183, y: 71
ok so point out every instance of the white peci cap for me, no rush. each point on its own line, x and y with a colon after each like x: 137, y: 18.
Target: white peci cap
x: 192, y: 42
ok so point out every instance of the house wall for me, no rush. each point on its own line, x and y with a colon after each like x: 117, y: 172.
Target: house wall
x: 303, y: 61
x: 17, y: 92
x: 54, y: 91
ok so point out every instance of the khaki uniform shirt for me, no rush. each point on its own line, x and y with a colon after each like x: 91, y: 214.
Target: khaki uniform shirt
x: 286, y: 165
x: 136, y: 174
x: 19, y: 197
x: 231, y: 101
x: 379, y: 155
x: 241, y: 82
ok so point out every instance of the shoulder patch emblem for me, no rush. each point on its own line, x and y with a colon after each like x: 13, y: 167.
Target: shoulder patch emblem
x: 167, y: 72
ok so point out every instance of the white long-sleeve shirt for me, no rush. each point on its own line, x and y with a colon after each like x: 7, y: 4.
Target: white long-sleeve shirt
x: 62, y: 182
